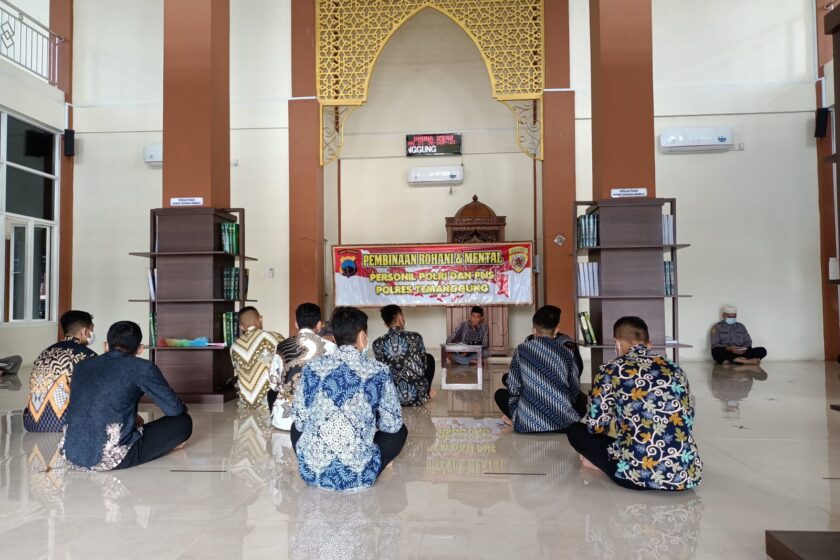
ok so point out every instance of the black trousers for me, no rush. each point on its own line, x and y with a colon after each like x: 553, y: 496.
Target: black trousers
x: 594, y: 448
x: 721, y: 354
x: 159, y: 438
x: 389, y: 445
x: 430, y: 369
x: 503, y: 402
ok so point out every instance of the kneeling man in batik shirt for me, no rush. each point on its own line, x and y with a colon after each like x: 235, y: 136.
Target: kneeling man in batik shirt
x: 348, y: 421
x: 49, y: 384
x: 648, y: 398
x: 291, y: 356
x: 252, y: 354
x: 412, y: 369
x: 103, y: 430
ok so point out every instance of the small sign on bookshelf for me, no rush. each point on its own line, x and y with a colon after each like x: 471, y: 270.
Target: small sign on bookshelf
x: 187, y: 201
x: 628, y: 193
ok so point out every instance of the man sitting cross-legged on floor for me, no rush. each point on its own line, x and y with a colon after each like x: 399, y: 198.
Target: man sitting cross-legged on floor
x: 292, y: 355
x: 731, y: 343
x: 252, y: 354
x: 52, y: 372
x: 348, y: 421
x: 543, y: 387
x: 412, y: 369
x: 648, y: 398
x: 103, y: 430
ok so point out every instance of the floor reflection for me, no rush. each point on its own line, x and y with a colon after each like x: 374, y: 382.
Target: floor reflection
x: 655, y: 528
x: 731, y: 384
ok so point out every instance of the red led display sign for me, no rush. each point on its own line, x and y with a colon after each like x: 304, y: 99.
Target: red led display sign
x: 441, y: 144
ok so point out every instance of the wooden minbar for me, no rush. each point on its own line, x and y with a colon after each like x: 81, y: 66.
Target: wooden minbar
x: 478, y: 223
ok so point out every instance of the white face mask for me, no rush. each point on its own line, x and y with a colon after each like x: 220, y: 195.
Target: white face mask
x: 618, y: 353
x: 91, y: 338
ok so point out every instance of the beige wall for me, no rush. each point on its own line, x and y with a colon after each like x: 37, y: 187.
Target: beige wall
x: 751, y: 215
x: 24, y: 94
x: 118, y: 98
x: 414, y: 91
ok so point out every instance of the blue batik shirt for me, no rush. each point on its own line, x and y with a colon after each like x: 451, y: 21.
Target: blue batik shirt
x: 342, y: 400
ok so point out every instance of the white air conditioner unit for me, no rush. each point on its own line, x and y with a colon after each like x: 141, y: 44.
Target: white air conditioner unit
x: 697, y: 139
x: 444, y: 175
x: 153, y: 154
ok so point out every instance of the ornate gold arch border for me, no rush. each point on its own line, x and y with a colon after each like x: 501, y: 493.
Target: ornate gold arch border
x: 509, y: 35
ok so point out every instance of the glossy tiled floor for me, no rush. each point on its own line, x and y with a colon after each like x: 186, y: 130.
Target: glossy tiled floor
x: 464, y: 486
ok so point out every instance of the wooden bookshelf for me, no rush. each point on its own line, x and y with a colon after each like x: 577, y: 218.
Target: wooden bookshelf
x: 185, y: 248
x: 630, y: 252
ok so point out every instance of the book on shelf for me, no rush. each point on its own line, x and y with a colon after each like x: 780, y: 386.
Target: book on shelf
x: 230, y: 327
x: 586, y: 328
x: 152, y: 329
x: 668, y: 234
x: 152, y: 277
x: 588, y: 279
x: 230, y: 283
x: 230, y: 237
x: 587, y: 228
x: 669, y: 279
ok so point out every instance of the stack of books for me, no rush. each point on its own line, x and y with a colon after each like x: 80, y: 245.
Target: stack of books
x: 587, y: 231
x: 669, y: 279
x: 668, y: 235
x: 586, y: 328
x: 230, y: 237
x: 230, y: 283
x: 588, y: 284
x: 230, y: 327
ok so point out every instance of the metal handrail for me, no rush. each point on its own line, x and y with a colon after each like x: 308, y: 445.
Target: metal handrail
x: 27, y: 42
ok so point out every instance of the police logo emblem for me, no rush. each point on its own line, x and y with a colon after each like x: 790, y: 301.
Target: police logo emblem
x: 518, y: 258
x: 347, y: 263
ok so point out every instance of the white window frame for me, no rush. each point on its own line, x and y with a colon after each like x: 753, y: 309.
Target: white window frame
x: 52, y: 226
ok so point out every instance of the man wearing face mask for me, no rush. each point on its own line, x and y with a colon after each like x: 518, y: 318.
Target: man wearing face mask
x: 731, y: 343
x: 49, y: 384
x: 648, y: 399
x: 348, y: 422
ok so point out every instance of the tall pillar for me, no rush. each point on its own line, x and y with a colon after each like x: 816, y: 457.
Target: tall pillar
x: 558, y: 167
x: 623, y: 147
x: 306, y: 177
x: 61, y: 22
x: 196, y: 101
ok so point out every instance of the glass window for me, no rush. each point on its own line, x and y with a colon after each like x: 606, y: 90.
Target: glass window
x: 30, y: 146
x: 28, y: 194
x: 17, y: 278
x: 40, y: 273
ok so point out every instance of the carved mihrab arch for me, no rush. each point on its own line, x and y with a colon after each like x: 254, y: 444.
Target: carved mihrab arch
x: 509, y: 35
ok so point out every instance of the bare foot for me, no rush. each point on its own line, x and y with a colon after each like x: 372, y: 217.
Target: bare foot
x: 432, y: 393
x: 586, y: 463
x: 506, y: 420
x: 177, y: 447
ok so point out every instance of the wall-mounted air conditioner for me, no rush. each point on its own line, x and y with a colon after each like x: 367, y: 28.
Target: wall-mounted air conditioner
x: 153, y: 154
x: 697, y: 139
x: 432, y: 176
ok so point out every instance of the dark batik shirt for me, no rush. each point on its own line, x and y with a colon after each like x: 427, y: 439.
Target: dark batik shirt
x: 103, y: 408
x: 405, y: 354
x: 648, y: 398
x: 543, y: 385
x: 49, y: 385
